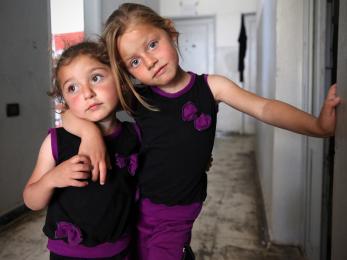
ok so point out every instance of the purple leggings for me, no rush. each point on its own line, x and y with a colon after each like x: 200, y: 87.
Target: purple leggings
x: 163, y: 230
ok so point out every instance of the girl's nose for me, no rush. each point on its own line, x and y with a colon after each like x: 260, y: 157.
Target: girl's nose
x: 88, y: 92
x: 149, y: 61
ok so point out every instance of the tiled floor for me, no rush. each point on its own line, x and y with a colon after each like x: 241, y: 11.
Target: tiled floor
x: 229, y: 228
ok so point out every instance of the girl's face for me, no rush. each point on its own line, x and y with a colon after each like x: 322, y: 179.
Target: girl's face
x: 88, y: 88
x: 149, y: 54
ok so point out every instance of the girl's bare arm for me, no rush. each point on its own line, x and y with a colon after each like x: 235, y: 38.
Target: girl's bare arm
x: 276, y: 112
x: 92, y: 143
x: 46, y: 176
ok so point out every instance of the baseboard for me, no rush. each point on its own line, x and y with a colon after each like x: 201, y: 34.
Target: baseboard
x: 265, y: 238
x: 12, y: 215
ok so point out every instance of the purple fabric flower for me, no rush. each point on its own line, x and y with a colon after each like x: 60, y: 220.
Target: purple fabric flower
x: 69, y: 231
x: 202, y: 122
x: 131, y: 162
x: 190, y: 113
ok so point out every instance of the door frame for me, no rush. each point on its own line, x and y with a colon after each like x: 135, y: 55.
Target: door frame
x: 339, y: 211
x: 248, y: 124
x: 317, y: 156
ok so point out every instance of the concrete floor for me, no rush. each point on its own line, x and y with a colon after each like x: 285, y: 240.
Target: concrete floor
x: 229, y: 228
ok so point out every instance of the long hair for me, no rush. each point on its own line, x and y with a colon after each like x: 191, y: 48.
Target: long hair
x: 129, y: 14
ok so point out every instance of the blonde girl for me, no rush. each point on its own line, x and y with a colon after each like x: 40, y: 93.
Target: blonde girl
x: 176, y: 112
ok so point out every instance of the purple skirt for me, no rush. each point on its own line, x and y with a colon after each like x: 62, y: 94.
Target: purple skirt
x: 163, y: 231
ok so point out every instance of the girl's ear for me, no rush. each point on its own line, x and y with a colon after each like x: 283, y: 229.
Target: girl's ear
x: 60, y: 106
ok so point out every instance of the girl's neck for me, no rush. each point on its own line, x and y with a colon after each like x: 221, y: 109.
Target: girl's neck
x: 109, y: 125
x: 180, y: 81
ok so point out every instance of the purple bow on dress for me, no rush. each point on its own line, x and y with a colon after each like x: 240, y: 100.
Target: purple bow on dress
x: 130, y: 162
x: 190, y: 112
x: 69, y: 231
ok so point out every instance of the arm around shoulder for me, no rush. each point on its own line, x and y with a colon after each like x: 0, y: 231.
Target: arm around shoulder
x: 92, y: 143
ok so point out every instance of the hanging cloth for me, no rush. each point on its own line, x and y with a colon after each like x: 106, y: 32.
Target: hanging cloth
x: 242, y: 47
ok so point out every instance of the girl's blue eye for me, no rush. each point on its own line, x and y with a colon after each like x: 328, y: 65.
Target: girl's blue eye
x: 152, y: 44
x: 134, y: 63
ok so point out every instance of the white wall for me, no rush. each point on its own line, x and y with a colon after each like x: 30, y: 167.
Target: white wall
x: 67, y: 16
x: 266, y: 73
x: 25, y: 79
x: 96, y: 13
x: 228, y: 18
x: 280, y: 29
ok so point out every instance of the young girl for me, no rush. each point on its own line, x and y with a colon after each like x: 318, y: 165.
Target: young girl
x: 85, y: 220
x: 176, y: 112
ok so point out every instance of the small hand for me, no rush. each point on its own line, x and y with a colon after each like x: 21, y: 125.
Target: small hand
x: 72, y: 172
x: 95, y: 149
x: 327, y: 117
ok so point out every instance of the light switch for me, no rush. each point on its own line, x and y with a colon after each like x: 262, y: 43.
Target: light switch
x: 12, y: 109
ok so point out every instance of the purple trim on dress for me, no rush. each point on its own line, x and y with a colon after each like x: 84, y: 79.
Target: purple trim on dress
x: 54, y: 144
x: 176, y: 212
x: 159, y: 91
x: 205, y: 78
x: 115, y: 133
x: 59, y: 247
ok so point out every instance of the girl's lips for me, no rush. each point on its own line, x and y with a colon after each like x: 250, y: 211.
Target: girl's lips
x: 160, y: 71
x: 94, y: 106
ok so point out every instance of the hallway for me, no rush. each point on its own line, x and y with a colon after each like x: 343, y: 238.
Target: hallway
x: 229, y: 227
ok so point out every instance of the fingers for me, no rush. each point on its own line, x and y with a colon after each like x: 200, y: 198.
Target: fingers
x: 98, y: 169
x: 103, y: 172
x: 95, y: 172
x: 76, y: 183
x: 80, y: 175
x: 332, y: 92
x: 82, y: 159
x: 332, y: 100
x: 336, y: 101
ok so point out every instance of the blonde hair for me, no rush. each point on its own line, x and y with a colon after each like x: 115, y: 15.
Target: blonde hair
x: 129, y: 14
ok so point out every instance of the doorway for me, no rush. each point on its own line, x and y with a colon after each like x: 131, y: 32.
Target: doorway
x: 196, y: 43
x: 329, y: 145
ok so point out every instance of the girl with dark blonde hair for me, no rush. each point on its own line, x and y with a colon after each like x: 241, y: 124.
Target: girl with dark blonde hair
x: 176, y: 111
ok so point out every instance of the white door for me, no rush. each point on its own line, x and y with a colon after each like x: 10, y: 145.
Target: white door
x: 196, y: 43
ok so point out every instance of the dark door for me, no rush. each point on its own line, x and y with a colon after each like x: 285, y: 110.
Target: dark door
x: 339, y: 198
